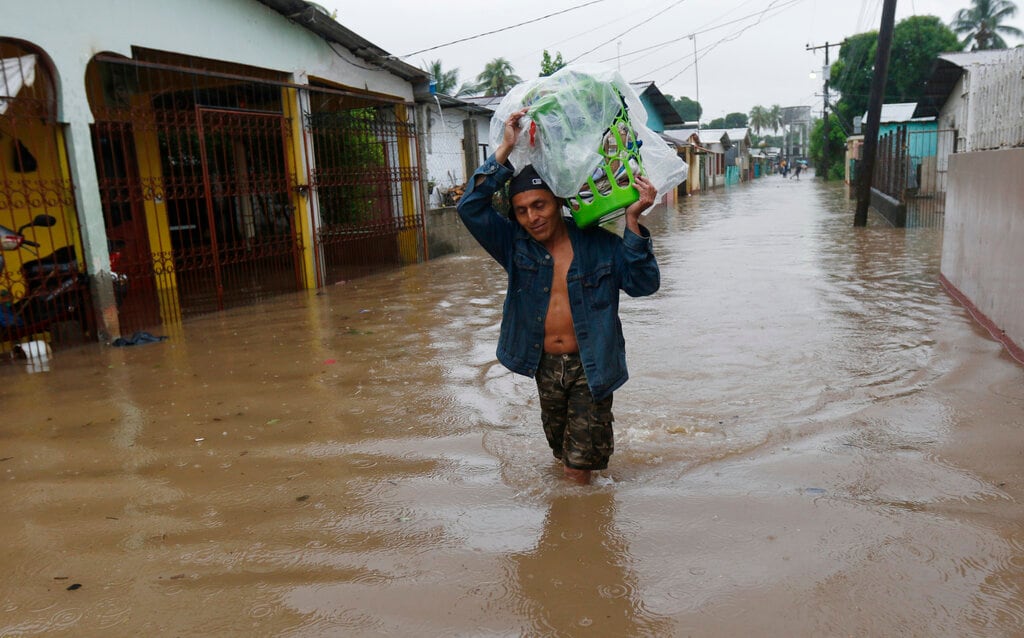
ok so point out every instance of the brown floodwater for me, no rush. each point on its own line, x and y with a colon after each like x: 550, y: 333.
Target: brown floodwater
x: 816, y: 441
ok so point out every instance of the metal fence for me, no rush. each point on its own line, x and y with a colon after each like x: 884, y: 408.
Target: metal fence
x: 445, y: 156
x: 911, y: 167
x: 204, y: 168
x: 197, y: 176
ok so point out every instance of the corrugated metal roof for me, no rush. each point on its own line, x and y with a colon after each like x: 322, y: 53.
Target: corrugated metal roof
x: 714, y: 136
x: 486, y: 101
x: 901, y: 112
x: 946, y: 71
x: 738, y: 133
x: 313, y: 17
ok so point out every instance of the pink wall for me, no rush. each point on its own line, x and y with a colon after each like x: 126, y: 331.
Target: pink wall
x: 983, y: 240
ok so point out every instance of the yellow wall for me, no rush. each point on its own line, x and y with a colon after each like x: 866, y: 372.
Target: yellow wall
x: 290, y: 100
x: 408, y: 240
x: 44, y: 191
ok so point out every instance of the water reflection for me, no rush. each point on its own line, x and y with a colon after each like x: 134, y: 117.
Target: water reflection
x: 355, y: 462
x: 579, y: 577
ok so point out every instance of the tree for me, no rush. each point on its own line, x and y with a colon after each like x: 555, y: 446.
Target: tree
x: 775, y: 120
x: 445, y: 81
x: 851, y: 73
x: 836, y: 141
x: 982, y: 24
x: 687, y: 109
x: 549, y: 66
x: 916, y: 41
x: 718, y: 122
x: 759, y: 119
x: 735, y: 120
x: 497, y: 77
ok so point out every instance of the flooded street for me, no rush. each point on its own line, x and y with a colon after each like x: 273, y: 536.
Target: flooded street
x: 816, y: 440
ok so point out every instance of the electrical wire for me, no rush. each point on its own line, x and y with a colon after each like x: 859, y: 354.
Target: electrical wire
x: 636, y: 26
x: 702, y: 53
x: 697, y: 32
x: 480, y: 35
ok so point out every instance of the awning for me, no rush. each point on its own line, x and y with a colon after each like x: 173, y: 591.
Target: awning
x: 14, y: 74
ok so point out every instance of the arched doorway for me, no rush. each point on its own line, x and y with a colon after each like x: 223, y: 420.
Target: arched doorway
x: 44, y: 292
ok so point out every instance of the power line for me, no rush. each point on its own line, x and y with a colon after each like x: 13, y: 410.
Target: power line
x: 480, y: 35
x: 698, y: 32
x: 639, y: 24
x: 731, y: 36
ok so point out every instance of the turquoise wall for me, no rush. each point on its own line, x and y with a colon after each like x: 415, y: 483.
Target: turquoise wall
x: 654, y: 121
x: 922, y: 137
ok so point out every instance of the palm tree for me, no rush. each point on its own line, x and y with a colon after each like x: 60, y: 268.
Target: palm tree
x: 982, y: 24
x: 758, y: 119
x: 775, y: 120
x: 445, y: 81
x: 497, y: 77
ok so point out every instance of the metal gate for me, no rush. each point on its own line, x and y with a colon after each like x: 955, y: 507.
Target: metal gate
x: 927, y: 166
x: 366, y: 183
x: 911, y: 167
x: 197, y: 179
x: 237, y: 243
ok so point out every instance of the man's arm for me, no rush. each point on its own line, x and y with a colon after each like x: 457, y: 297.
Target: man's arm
x: 647, y: 195
x: 493, y: 231
x: 640, y: 275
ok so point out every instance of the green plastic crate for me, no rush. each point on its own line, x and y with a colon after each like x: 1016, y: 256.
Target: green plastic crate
x: 608, y: 199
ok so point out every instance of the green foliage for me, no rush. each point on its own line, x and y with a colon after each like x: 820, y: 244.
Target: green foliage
x: 759, y: 119
x: 349, y: 156
x: 836, y: 147
x: 769, y: 140
x: 851, y: 73
x: 687, y: 109
x: 982, y: 24
x: 445, y: 81
x: 775, y: 119
x: 731, y: 120
x: 549, y: 65
x: 735, y: 120
x: 497, y: 77
x: 916, y: 41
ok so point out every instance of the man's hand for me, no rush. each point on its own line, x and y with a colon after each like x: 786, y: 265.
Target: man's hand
x: 647, y: 194
x: 512, y: 129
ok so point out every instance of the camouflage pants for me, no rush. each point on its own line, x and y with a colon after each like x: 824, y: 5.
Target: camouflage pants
x: 578, y: 429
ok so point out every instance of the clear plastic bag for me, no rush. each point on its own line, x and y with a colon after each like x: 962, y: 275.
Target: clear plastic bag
x: 569, y: 114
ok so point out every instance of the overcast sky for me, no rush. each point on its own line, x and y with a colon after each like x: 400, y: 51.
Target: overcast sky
x: 749, y: 52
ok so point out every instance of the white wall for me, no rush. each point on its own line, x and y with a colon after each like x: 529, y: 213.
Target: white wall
x: 71, y: 32
x: 983, y: 241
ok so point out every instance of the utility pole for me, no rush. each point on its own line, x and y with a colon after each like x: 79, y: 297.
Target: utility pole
x: 866, y: 167
x: 696, y: 77
x: 824, y: 108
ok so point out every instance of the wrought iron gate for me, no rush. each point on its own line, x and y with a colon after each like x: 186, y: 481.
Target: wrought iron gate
x: 365, y: 180
x: 197, y: 179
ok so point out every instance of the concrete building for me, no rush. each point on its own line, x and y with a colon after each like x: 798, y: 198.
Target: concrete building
x: 980, y: 95
x: 225, y: 151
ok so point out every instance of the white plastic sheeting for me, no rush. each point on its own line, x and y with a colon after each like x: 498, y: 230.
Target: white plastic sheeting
x: 586, y: 101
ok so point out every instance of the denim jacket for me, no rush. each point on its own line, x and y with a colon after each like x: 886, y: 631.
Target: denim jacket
x: 603, y: 263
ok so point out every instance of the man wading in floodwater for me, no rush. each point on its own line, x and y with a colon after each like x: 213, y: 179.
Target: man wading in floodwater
x: 560, y: 322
